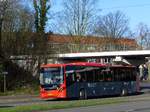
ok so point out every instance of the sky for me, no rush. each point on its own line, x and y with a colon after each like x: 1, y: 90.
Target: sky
x: 136, y: 10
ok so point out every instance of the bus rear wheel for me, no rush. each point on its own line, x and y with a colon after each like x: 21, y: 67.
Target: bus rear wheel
x: 124, y: 92
x: 82, y: 94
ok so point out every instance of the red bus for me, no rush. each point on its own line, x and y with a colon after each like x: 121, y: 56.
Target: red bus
x: 82, y: 80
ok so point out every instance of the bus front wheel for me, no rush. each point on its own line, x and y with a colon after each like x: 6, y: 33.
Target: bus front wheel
x: 82, y: 94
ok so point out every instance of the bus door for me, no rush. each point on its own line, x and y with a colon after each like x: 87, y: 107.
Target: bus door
x: 71, y: 84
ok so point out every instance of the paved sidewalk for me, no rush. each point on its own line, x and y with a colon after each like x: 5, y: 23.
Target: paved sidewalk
x: 19, y: 98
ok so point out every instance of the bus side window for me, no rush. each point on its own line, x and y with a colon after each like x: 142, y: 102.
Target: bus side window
x: 116, y: 75
x: 128, y: 76
x: 112, y: 75
x: 101, y: 75
x: 83, y: 77
x: 78, y: 77
x: 107, y: 75
x: 70, y: 78
x: 90, y: 76
x: 96, y: 75
x: 133, y: 74
x: 122, y: 75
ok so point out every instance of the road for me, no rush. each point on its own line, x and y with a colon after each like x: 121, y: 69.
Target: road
x: 140, y: 106
x: 142, y: 102
x: 137, y: 106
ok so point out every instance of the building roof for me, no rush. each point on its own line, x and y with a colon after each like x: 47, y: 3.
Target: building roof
x: 56, y: 38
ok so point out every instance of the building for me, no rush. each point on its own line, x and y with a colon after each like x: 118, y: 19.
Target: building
x: 73, y: 44
x: 58, y: 44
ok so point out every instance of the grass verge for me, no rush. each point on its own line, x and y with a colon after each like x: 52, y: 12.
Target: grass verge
x: 22, y: 91
x: 63, y: 105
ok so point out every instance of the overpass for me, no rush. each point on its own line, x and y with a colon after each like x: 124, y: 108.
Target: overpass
x: 131, y: 57
x: 127, y: 57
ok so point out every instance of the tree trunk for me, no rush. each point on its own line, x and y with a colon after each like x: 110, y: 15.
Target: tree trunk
x: 0, y: 37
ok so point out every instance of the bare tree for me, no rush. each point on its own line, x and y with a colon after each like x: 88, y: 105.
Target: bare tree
x: 17, y: 25
x: 76, y: 17
x: 143, y: 35
x: 113, y: 25
x: 5, y: 8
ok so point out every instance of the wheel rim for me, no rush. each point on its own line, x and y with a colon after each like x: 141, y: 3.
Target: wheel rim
x: 124, y: 92
x: 82, y: 94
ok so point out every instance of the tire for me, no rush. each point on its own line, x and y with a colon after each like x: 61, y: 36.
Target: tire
x: 124, y: 92
x: 82, y: 94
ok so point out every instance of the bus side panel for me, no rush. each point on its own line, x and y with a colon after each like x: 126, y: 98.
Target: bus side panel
x: 95, y: 89
x: 100, y: 89
x: 103, y: 88
x: 91, y: 89
x: 111, y: 88
x: 132, y: 87
x: 74, y: 89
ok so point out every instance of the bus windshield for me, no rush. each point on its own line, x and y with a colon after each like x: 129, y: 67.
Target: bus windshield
x: 51, y: 76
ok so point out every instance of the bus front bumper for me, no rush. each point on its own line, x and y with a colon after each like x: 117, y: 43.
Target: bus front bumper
x: 53, y: 94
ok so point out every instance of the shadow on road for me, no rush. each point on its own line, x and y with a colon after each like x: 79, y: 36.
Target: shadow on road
x: 145, y: 87
x: 99, y: 97
x: 6, y: 106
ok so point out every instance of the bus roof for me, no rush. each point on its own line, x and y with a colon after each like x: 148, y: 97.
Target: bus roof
x: 85, y: 64
x: 76, y: 63
x: 120, y: 66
